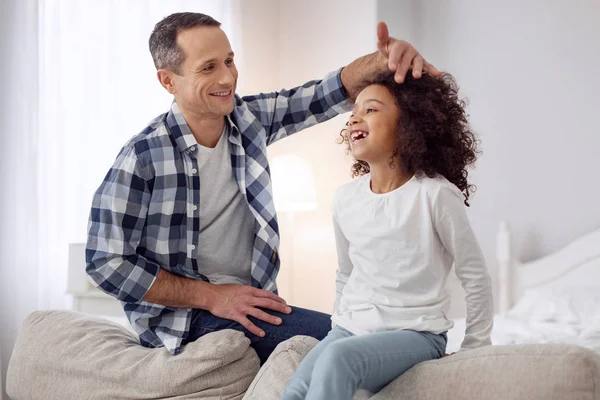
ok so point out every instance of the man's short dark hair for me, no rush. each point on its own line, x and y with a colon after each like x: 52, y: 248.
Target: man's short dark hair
x: 163, y: 40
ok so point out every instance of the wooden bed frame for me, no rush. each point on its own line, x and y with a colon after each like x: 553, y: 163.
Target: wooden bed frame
x: 578, y: 263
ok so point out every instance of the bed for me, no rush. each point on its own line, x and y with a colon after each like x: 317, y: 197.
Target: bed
x: 554, y: 299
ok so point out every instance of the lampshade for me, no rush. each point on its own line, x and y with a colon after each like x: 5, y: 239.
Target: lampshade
x: 293, y: 184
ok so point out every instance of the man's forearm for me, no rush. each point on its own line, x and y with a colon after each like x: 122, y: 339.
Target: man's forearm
x: 362, y: 69
x: 174, y: 291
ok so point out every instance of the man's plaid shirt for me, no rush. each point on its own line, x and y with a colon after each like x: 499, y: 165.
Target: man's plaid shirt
x: 145, y: 214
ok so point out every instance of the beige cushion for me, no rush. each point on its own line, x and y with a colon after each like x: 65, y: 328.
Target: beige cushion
x: 271, y: 380
x: 532, y: 372
x: 64, y: 355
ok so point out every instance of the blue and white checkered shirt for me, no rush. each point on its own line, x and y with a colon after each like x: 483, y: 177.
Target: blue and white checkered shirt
x: 145, y: 214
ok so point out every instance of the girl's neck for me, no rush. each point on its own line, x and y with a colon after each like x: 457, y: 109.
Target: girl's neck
x: 384, y: 178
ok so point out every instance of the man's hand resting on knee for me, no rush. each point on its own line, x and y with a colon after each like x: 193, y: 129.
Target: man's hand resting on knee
x: 233, y: 302
x: 237, y: 302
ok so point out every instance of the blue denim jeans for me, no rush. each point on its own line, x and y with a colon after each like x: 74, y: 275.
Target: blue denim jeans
x: 299, y: 322
x: 343, y: 363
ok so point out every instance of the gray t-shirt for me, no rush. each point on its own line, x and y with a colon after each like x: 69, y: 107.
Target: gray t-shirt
x: 226, y: 233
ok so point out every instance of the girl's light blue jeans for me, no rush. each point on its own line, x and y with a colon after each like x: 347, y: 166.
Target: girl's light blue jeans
x: 342, y: 362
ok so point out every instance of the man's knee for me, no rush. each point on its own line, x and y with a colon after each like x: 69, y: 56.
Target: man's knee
x: 308, y: 322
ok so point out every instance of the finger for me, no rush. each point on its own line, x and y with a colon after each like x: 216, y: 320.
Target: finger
x: 429, y: 68
x: 272, y: 305
x: 396, y: 54
x: 383, y: 36
x: 383, y: 48
x: 268, y: 294
x: 417, y: 67
x: 245, y: 322
x: 263, y: 316
x: 405, y: 63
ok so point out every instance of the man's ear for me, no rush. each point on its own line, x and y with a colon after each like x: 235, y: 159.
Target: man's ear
x: 165, y: 77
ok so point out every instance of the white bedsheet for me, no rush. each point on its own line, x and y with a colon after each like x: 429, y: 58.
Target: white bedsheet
x: 513, y: 331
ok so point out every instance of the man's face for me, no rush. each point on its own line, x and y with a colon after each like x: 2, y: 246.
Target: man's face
x: 207, y: 78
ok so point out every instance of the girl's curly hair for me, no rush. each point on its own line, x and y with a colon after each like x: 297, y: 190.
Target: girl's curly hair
x: 434, y: 136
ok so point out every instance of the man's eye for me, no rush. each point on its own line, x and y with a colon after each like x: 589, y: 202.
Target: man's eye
x: 209, y: 67
x: 228, y: 61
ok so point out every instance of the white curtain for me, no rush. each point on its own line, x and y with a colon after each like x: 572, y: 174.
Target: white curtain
x: 78, y: 81
x: 18, y: 168
x: 98, y: 88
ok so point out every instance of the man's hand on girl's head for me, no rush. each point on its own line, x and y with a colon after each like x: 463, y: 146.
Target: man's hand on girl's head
x: 402, y: 56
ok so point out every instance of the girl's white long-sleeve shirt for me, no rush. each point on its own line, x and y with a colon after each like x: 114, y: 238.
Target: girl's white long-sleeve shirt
x: 395, y: 252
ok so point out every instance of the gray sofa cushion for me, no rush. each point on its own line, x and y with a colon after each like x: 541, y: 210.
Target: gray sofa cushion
x: 62, y: 355
x: 532, y: 372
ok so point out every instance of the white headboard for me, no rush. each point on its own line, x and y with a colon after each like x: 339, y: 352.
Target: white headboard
x: 577, y: 263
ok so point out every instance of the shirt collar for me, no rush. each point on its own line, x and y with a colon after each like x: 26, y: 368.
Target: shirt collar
x: 181, y: 131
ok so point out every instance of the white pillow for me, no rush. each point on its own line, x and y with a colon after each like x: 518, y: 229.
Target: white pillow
x: 564, y: 304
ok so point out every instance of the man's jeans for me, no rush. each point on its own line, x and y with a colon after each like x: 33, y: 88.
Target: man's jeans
x: 299, y: 322
x: 343, y: 363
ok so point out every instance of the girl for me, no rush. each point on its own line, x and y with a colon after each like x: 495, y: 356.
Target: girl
x: 399, y: 227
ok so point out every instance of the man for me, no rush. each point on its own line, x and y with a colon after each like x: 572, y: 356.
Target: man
x: 183, y: 229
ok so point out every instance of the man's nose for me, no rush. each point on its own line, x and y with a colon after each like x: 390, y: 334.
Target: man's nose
x: 226, y: 77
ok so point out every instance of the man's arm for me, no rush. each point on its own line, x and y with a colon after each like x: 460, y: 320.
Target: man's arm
x: 286, y: 112
x: 233, y: 302
x: 393, y: 55
x: 117, y: 220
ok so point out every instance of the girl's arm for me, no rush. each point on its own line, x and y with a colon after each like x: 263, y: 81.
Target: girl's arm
x: 454, y: 230
x: 344, y: 264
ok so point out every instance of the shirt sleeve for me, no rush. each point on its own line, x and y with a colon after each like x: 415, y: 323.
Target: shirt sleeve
x: 345, y: 266
x: 117, y: 219
x: 457, y: 237
x: 286, y: 112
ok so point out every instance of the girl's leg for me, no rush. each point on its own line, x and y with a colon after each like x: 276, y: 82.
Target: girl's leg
x: 370, y: 362
x: 298, y: 385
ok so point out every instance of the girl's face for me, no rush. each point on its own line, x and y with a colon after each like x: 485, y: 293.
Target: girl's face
x: 373, y: 125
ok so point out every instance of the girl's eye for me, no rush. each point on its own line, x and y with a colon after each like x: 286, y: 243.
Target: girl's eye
x: 369, y: 110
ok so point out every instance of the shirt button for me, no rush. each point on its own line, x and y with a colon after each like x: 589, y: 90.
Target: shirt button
x: 194, y: 171
x: 194, y: 207
x: 192, y: 148
x: 193, y: 247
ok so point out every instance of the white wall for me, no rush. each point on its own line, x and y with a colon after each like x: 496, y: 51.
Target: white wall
x: 18, y: 221
x: 316, y: 37
x: 530, y: 69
